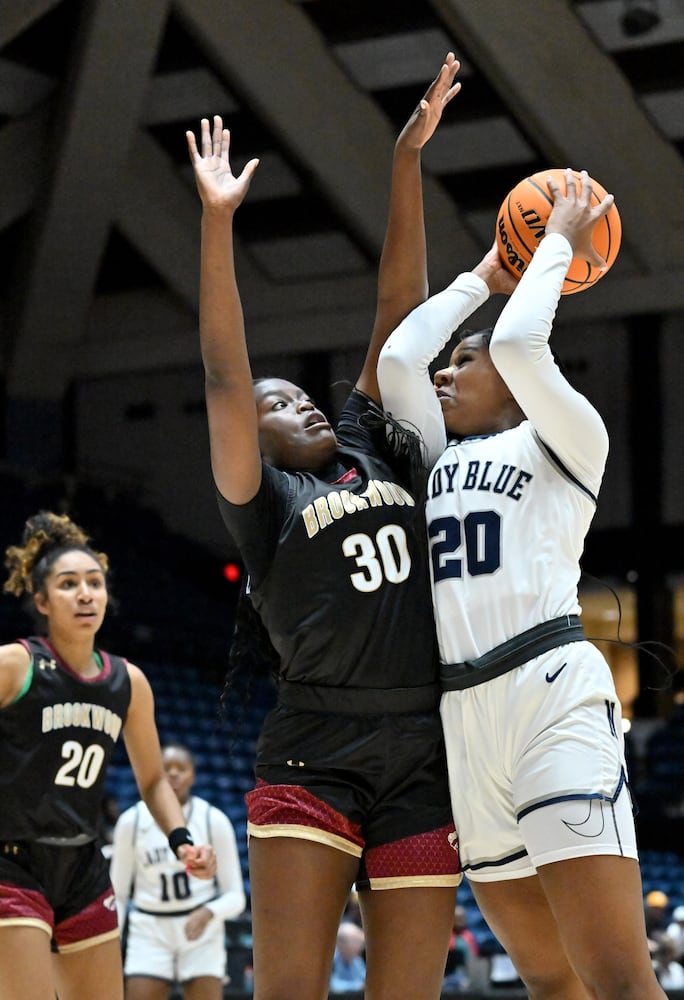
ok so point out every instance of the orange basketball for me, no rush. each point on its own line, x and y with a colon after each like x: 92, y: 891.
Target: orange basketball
x: 522, y: 218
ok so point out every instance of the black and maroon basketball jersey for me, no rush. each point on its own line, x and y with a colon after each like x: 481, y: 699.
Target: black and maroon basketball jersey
x: 57, y: 738
x: 338, y: 568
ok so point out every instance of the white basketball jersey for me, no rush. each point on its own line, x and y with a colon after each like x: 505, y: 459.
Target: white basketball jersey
x: 162, y: 884
x: 506, y: 525
x: 507, y: 513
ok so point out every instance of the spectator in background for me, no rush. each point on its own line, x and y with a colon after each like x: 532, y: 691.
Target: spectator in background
x: 675, y: 930
x: 656, y: 906
x: 461, y: 937
x: 462, y: 948
x: 349, y: 967
x: 176, y: 925
x: 669, y: 972
x: 503, y: 975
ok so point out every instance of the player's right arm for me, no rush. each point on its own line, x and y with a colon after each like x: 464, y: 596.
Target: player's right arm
x: 15, y: 660
x: 406, y: 385
x: 231, y: 411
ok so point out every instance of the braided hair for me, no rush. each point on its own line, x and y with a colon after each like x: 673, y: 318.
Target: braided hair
x: 46, y: 537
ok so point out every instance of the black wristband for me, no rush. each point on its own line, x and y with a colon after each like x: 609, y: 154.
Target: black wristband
x: 181, y: 835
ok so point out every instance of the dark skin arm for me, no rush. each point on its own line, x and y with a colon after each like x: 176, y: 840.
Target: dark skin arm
x: 402, y: 274
x: 402, y: 282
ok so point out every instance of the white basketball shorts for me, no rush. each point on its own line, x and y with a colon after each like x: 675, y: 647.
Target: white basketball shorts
x: 536, y: 766
x: 157, y: 947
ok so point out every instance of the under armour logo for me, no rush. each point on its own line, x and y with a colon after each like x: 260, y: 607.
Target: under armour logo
x: 43, y: 664
x: 295, y: 763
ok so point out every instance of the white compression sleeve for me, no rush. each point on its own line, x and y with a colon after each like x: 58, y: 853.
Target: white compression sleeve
x: 403, y: 368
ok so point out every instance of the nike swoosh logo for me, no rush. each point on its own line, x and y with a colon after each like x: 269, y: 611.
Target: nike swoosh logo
x: 593, y: 825
x: 551, y: 677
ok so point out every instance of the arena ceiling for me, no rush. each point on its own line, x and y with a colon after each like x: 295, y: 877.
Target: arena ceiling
x: 99, y: 219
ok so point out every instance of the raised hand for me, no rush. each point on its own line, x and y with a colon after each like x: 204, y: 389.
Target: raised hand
x: 492, y: 271
x: 427, y: 114
x: 572, y: 215
x: 217, y: 185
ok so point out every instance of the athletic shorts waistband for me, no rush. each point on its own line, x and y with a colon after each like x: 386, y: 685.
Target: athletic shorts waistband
x: 512, y: 653
x: 80, y: 840
x: 367, y: 701
x: 168, y: 913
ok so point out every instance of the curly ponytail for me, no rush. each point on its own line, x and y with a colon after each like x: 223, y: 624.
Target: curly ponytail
x: 46, y: 537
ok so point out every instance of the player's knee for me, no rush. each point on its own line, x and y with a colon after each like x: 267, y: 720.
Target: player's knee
x: 558, y: 982
x: 624, y: 984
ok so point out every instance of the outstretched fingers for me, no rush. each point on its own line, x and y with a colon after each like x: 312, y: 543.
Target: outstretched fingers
x: 192, y: 146
x: 574, y: 215
x: 443, y: 87
x: 205, y: 147
x: 206, y: 142
x: 595, y: 212
x: 220, y: 140
x: 248, y: 170
x: 210, y: 157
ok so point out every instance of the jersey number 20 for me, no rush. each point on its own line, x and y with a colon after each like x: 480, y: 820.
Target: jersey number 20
x: 86, y: 763
x: 477, y: 537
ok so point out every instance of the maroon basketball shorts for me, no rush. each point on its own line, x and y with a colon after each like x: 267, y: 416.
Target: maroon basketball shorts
x: 374, y: 786
x: 64, y: 891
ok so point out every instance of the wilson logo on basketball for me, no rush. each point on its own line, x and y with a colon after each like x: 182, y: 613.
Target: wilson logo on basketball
x: 514, y: 261
x: 522, y: 219
x: 532, y: 220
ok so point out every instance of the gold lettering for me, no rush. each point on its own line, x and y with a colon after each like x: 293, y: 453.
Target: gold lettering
x: 310, y: 522
x: 348, y: 502
x: 371, y: 492
x: 335, y: 505
x: 383, y: 489
x: 322, y: 512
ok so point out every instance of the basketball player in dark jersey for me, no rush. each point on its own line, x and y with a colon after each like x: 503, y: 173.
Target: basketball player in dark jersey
x: 63, y: 704
x: 351, y: 783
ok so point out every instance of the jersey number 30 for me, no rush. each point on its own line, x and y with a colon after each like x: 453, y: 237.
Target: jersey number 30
x: 384, y: 558
x: 477, y: 537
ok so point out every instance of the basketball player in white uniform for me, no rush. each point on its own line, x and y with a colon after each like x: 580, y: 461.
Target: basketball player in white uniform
x: 176, y: 930
x: 531, y: 718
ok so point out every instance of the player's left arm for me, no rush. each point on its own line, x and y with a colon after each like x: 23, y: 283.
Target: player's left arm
x: 402, y: 272
x: 563, y: 418
x: 144, y: 752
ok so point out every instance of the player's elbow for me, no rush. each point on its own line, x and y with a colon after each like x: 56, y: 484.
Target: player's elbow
x: 394, y: 376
